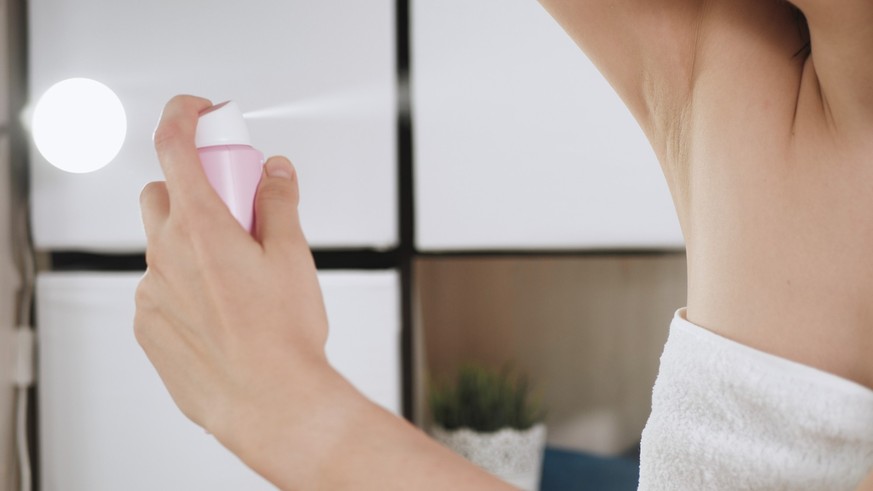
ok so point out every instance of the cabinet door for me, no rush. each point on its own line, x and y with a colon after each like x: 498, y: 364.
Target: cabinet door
x: 363, y: 309
x: 106, y: 421
x: 519, y: 141
x: 320, y: 76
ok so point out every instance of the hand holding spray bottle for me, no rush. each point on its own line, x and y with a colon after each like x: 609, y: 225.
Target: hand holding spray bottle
x: 232, y: 166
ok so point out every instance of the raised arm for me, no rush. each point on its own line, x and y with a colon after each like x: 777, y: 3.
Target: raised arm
x: 867, y: 484
x: 841, y: 61
x: 645, y: 48
x: 235, y: 326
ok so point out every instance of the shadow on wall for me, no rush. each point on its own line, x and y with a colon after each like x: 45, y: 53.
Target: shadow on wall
x: 589, y: 331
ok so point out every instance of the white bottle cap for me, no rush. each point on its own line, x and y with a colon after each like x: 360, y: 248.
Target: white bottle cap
x: 222, y: 124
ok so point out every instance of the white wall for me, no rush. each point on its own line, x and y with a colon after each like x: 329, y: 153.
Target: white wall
x: 106, y: 421
x: 332, y: 59
x: 519, y: 141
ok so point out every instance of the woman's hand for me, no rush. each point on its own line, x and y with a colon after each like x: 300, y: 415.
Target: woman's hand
x: 232, y: 323
x: 235, y: 326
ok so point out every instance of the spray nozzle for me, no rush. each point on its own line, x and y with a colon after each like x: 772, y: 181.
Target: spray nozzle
x: 222, y: 124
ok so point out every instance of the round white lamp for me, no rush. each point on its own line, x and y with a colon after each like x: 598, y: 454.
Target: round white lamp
x: 79, y: 125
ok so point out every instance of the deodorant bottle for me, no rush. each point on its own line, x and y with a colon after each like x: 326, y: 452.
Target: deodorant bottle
x: 232, y: 166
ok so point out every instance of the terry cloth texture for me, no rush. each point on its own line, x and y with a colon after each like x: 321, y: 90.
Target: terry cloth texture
x: 729, y: 417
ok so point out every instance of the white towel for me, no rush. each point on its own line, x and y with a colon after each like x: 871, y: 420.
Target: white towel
x: 727, y: 416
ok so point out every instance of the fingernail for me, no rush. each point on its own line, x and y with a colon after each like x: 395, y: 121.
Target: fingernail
x: 278, y: 168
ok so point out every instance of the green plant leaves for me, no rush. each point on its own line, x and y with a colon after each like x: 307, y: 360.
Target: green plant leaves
x: 485, y: 401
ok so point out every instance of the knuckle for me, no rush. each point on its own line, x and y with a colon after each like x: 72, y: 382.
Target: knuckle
x: 150, y: 190
x: 152, y: 257
x: 142, y: 295
x: 187, y: 100
x: 147, y: 294
x: 155, y: 252
x: 178, y: 99
x: 167, y: 132
x: 176, y: 118
x: 139, y: 328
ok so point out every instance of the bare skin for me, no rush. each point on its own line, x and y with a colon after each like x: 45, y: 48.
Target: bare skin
x: 767, y: 157
x: 235, y: 326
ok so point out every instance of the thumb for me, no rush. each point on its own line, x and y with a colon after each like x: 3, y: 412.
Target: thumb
x: 276, y: 218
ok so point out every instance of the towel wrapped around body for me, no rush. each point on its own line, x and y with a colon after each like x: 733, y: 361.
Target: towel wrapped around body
x: 729, y: 417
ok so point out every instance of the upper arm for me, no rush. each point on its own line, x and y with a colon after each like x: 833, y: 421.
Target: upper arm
x: 644, y: 48
x: 866, y: 484
x: 841, y: 35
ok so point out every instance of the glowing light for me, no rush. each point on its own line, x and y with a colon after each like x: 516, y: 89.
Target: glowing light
x: 79, y: 125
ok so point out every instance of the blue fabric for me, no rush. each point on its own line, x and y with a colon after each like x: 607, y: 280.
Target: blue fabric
x: 565, y: 470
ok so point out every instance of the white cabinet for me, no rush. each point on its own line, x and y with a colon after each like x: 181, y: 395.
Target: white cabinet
x: 106, y: 421
x: 363, y: 309
x: 519, y: 141
x: 326, y: 67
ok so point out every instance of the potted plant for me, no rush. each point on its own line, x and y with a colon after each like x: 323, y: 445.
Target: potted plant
x: 490, y: 418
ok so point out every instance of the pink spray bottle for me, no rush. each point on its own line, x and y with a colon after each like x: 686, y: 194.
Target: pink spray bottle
x: 232, y: 166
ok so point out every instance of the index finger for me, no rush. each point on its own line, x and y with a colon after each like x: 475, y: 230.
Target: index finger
x: 174, y: 142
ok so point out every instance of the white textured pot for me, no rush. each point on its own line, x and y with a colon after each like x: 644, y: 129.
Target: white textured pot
x: 512, y: 455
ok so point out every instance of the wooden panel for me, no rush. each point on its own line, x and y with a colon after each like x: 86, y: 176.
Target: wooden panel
x: 9, y: 282
x: 589, y: 330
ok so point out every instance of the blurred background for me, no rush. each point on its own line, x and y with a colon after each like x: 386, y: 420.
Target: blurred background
x: 472, y: 188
